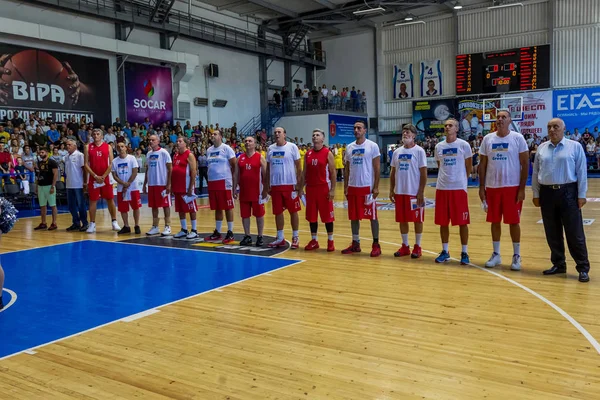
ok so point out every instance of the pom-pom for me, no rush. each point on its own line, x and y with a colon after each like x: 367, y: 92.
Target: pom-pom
x: 8, y: 215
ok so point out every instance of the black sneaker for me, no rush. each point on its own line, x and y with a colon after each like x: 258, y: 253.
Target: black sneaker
x: 84, y: 228
x: 246, y: 241
x: 124, y: 230
x: 73, y: 228
x: 215, y: 236
x: 259, y: 241
x: 138, y: 231
x: 228, y: 238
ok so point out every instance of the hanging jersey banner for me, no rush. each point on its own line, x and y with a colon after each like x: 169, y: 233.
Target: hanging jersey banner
x: 403, y: 81
x: 431, y: 78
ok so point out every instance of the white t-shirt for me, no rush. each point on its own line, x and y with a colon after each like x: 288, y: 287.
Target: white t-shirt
x: 124, y: 169
x: 73, y: 170
x: 218, y: 164
x: 282, y: 161
x: 360, y: 157
x: 503, y: 167
x: 452, y: 174
x: 156, y: 162
x: 408, y: 164
x: 305, y: 93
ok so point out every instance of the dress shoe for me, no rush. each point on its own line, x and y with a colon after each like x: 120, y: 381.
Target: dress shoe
x: 584, y: 277
x: 555, y: 270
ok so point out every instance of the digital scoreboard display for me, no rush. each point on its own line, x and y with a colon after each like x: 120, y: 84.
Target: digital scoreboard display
x: 526, y: 68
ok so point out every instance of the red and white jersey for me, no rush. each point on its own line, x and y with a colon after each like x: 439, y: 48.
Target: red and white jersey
x: 504, y: 166
x: 218, y: 164
x: 180, y: 177
x: 408, y: 164
x: 98, y: 158
x: 250, y: 183
x: 283, y: 163
x: 156, y: 162
x: 317, y: 167
x: 360, y: 157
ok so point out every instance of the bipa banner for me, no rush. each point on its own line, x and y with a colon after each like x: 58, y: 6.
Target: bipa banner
x: 579, y: 108
x: 149, y: 93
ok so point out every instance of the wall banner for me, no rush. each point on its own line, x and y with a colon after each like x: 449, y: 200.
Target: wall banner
x: 341, y: 128
x: 431, y: 78
x: 148, y: 93
x: 579, y: 108
x: 403, y: 81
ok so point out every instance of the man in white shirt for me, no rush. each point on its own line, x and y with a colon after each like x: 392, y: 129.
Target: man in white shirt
x: 76, y: 176
x: 454, y: 159
x: 110, y: 136
x: 503, y: 168
x: 222, y: 165
x: 408, y: 177
x: 283, y: 170
x: 157, y: 183
x: 125, y: 169
x: 361, y: 187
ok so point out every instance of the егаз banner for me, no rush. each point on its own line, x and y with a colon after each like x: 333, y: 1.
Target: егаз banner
x: 149, y: 93
x: 56, y: 85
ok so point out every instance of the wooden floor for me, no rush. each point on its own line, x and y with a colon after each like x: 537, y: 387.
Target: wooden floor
x: 342, y: 327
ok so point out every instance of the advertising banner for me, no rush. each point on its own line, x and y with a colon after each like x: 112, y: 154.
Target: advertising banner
x: 537, y: 111
x: 579, y: 108
x: 341, y: 128
x: 53, y: 84
x: 429, y: 115
x: 403, y: 81
x: 148, y: 93
x: 431, y: 78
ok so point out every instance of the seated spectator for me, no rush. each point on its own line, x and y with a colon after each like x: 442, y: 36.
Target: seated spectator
x: 21, y: 177
x: 5, y: 163
x: 110, y: 137
x: 53, y: 134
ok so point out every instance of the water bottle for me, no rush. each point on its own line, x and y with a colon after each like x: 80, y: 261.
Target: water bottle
x: 484, y: 206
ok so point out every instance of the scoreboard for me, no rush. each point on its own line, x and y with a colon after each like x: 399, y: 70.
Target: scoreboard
x: 525, y: 68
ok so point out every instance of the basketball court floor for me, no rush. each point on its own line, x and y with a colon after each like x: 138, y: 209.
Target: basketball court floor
x: 106, y: 317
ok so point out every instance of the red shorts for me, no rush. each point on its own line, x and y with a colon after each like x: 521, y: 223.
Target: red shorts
x: 451, y: 205
x: 405, y: 211
x: 250, y: 208
x: 357, y: 209
x: 135, y: 202
x: 104, y: 192
x: 502, y: 202
x: 156, y: 199
x: 182, y: 207
x: 219, y: 197
x: 317, y: 204
x: 283, y: 199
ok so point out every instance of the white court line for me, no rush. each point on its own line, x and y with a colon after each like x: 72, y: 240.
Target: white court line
x: 31, y: 352
x: 13, y: 298
x: 140, y: 315
x: 219, y: 289
x: 562, y: 312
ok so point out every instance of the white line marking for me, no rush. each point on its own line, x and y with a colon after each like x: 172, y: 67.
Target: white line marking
x: 559, y: 310
x: 140, y: 315
x: 218, y: 290
x: 13, y: 298
x: 30, y: 352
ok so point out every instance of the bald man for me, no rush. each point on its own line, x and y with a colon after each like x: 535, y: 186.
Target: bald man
x: 559, y: 185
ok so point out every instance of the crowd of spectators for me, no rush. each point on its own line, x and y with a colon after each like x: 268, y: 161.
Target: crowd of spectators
x: 323, y: 98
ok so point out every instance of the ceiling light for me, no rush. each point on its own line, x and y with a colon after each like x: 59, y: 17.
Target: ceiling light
x: 409, y: 18
x: 410, y: 23
x: 457, y: 5
x: 368, y: 10
x: 505, y: 5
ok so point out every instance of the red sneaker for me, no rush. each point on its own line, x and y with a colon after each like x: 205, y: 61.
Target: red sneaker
x: 276, y: 243
x: 40, y: 226
x: 402, y: 251
x: 52, y: 227
x: 214, y: 237
x: 295, y: 243
x: 417, y: 252
x: 312, y: 245
x: 330, y: 246
x: 376, y: 250
x: 353, y: 248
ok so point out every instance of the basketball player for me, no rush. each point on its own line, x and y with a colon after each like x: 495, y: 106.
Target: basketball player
x: 283, y: 168
x: 454, y: 159
x: 184, y: 182
x: 407, y: 185
x: 319, y: 169
x: 125, y: 169
x: 157, y: 183
x: 222, y: 165
x: 504, y: 168
x: 361, y: 187
x: 252, y: 172
x: 98, y: 158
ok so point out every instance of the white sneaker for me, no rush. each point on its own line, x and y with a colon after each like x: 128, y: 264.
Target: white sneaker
x: 91, y: 228
x: 494, y: 260
x: 192, y: 235
x: 153, y: 231
x: 516, y: 263
x: 116, y: 226
x: 167, y: 231
x: 181, y: 234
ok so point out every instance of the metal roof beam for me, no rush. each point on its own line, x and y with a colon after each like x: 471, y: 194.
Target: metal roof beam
x: 326, y: 3
x: 273, y: 7
x: 231, y: 5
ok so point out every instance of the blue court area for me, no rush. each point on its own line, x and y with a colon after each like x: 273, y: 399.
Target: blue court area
x: 66, y: 289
